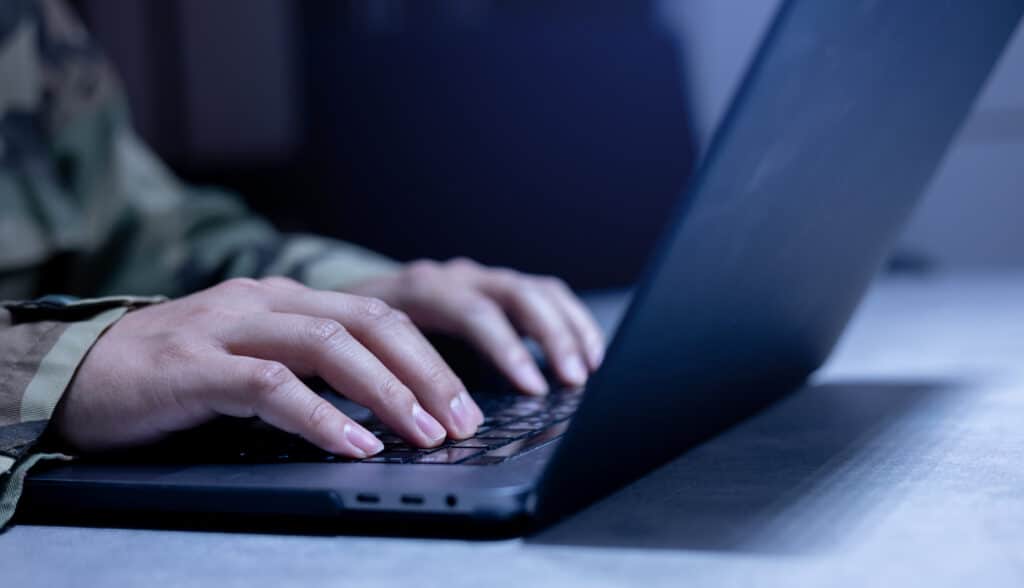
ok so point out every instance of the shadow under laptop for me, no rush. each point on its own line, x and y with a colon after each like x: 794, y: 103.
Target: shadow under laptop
x: 797, y: 477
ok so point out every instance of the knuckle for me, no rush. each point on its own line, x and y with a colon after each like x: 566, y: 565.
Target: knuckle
x: 419, y: 273
x: 337, y: 342
x: 440, y: 376
x: 463, y: 263
x: 241, y: 288
x: 422, y: 266
x: 479, y: 307
x: 269, y: 377
x: 392, y: 393
x: 284, y: 281
x: 508, y: 278
x: 375, y: 309
x: 320, y: 415
x: 528, y: 302
x: 240, y: 284
x: 326, y: 331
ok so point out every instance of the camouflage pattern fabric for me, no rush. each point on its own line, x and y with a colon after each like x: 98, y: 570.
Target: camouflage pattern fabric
x: 87, y: 210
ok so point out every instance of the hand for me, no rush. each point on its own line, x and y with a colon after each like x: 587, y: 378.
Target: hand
x: 487, y: 305
x: 238, y: 348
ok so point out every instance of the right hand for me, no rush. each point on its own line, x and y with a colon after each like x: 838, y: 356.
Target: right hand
x: 238, y: 348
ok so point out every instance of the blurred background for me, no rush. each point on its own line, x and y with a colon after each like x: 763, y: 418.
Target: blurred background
x: 550, y: 135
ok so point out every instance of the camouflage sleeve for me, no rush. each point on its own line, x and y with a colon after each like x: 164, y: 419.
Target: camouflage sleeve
x: 42, y: 342
x: 89, y: 210
x: 178, y: 239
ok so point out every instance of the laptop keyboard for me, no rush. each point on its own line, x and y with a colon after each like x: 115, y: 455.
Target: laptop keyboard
x: 513, y: 425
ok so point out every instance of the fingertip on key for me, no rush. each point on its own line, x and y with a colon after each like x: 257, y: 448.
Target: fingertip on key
x: 364, y: 441
x: 530, y: 380
x: 428, y: 425
x: 461, y: 407
x: 573, y: 370
x: 595, y: 355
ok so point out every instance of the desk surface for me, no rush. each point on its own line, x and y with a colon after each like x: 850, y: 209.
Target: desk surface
x: 902, y: 465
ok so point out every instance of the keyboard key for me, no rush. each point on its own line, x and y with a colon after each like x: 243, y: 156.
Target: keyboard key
x: 503, y: 434
x: 473, y: 443
x: 449, y: 455
x: 496, y: 442
x: 401, y: 447
x: 523, y: 445
x: 399, y: 455
x: 521, y: 426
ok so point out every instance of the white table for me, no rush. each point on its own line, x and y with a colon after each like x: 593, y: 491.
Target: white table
x: 904, y: 466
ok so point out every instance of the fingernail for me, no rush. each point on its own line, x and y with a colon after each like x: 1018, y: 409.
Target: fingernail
x: 427, y: 424
x: 531, y: 379
x: 573, y: 370
x: 363, y: 440
x: 478, y: 414
x: 596, y: 355
x: 462, y: 413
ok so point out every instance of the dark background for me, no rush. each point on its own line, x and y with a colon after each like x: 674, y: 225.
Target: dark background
x: 551, y: 136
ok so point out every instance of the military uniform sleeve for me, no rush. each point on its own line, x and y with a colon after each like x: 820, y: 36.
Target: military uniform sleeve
x: 42, y: 342
x: 177, y: 238
x: 89, y: 210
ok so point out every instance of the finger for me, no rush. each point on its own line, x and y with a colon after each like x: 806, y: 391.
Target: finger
x: 579, y: 318
x: 395, y: 340
x: 482, y: 322
x: 254, y: 387
x: 539, y: 318
x: 322, y: 346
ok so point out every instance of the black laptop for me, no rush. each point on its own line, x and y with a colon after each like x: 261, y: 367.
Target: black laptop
x: 837, y: 127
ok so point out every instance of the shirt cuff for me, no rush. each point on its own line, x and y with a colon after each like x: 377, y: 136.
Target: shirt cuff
x: 13, y: 481
x: 327, y: 264
x: 23, y: 423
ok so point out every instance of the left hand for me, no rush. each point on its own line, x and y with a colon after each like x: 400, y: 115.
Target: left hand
x: 490, y: 307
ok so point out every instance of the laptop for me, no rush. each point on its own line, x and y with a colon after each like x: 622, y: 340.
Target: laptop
x: 834, y: 133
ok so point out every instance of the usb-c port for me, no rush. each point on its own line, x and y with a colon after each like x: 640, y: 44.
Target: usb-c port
x: 368, y: 498
x: 412, y: 499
